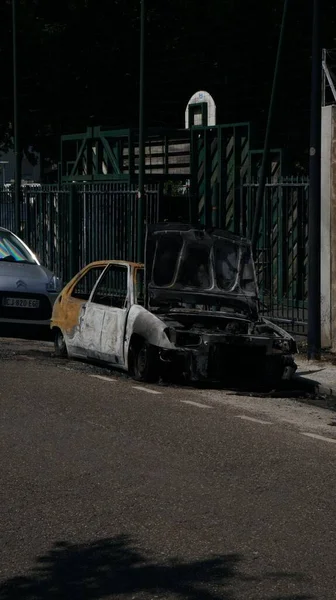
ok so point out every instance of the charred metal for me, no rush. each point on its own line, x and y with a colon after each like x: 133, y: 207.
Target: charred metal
x: 203, y: 286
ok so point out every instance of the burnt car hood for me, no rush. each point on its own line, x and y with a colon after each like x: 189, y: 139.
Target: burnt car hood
x: 191, y: 267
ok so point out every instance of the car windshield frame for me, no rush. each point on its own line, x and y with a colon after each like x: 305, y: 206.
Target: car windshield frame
x: 14, y: 251
x: 221, y: 265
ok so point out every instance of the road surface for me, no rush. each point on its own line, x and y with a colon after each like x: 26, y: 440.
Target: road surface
x: 112, y: 489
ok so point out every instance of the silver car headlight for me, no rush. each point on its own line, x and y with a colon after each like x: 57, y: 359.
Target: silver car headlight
x: 54, y: 285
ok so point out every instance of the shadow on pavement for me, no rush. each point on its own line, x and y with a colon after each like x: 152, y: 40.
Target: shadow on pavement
x: 15, y: 343
x: 112, y: 567
x: 26, y: 332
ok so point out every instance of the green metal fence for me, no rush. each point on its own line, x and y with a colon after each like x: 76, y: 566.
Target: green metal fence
x: 71, y: 225
x: 282, y: 251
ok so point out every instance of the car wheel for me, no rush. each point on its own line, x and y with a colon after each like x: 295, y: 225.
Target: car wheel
x: 60, y: 345
x: 144, y: 362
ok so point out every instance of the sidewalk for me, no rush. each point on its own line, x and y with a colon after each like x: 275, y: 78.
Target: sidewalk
x: 318, y: 378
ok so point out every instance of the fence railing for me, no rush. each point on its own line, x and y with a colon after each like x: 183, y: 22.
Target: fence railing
x: 69, y: 226
x: 282, y: 251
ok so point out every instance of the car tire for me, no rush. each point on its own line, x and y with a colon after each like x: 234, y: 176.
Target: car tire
x: 143, y: 362
x: 60, y: 345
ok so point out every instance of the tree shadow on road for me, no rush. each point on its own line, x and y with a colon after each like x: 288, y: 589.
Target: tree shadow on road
x: 112, y: 567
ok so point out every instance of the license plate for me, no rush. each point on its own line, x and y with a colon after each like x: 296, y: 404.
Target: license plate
x: 21, y: 302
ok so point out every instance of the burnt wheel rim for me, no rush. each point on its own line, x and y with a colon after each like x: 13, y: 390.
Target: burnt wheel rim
x: 60, y: 343
x: 141, y: 361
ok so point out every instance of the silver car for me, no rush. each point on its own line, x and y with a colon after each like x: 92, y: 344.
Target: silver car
x: 27, y: 289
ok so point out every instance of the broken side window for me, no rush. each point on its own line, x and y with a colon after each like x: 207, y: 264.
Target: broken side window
x: 139, y: 286
x: 112, y: 288
x: 166, y: 257
x: 195, y: 267
x: 248, y: 281
x: 226, y: 263
x: 86, y: 283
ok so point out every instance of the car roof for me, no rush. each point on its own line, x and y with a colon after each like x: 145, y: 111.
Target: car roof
x: 101, y: 263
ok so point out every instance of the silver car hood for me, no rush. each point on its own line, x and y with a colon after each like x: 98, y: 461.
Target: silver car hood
x: 23, y: 277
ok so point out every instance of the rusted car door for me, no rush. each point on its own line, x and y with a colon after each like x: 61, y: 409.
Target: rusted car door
x: 107, y: 314
x: 73, y: 308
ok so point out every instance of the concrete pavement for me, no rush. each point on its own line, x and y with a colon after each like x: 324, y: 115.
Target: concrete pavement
x: 318, y: 377
x: 112, y: 489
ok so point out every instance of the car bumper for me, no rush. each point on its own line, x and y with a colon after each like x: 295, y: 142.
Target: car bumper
x: 33, y: 322
x: 217, y: 363
x: 28, y: 316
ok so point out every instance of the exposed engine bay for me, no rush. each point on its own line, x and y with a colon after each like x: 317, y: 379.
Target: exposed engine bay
x: 202, y: 285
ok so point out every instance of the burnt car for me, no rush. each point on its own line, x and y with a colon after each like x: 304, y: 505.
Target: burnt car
x: 191, y: 310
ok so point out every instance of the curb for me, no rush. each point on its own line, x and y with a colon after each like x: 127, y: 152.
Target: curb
x: 320, y: 395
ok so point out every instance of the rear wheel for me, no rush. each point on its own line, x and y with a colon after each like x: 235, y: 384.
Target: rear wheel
x: 143, y: 362
x: 60, y: 345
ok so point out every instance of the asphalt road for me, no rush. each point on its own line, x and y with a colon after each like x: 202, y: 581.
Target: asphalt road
x: 110, y: 489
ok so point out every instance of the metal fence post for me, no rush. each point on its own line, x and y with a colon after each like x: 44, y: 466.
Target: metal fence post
x: 73, y: 231
x: 142, y: 142
x: 314, y: 229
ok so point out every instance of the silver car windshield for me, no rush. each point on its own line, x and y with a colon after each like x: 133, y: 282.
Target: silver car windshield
x: 12, y: 250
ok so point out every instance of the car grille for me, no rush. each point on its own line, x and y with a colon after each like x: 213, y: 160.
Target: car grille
x: 43, y: 313
x: 230, y: 360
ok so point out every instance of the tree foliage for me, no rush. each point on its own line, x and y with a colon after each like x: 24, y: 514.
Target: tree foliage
x: 78, y: 64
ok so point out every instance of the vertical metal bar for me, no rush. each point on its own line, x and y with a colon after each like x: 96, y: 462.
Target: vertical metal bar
x: 207, y: 185
x: 263, y: 171
x: 300, y: 263
x: 17, y: 152
x: 236, y: 155
x: 142, y: 148
x: 113, y: 229
x: 84, y: 203
x: 40, y: 215
x: 292, y: 259
x: 314, y: 247
x: 324, y: 62
x: 280, y: 246
x: 264, y: 249
x: 51, y: 229
x: 285, y: 273
x: 72, y: 268
x: 95, y: 223
x: 269, y: 241
x: 102, y: 200
x: 220, y: 175
x: 193, y: 193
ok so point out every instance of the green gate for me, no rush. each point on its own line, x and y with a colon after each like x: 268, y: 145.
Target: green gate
x: 69, y: 226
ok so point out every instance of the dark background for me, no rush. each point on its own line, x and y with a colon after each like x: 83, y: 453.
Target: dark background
x: 78, y: 64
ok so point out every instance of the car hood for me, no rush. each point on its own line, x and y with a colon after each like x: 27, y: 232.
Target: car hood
x: 22, y: 277
x: 190, y: 266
